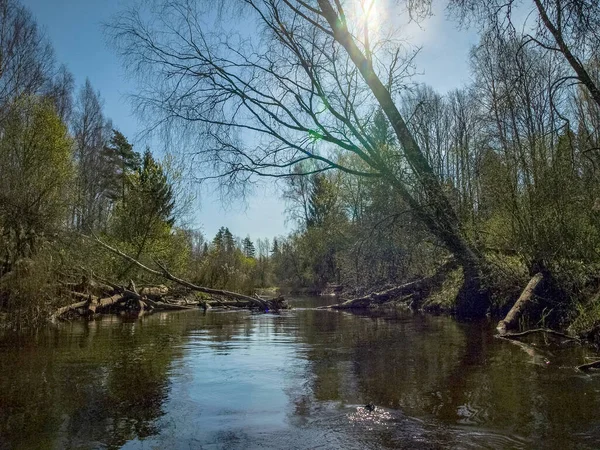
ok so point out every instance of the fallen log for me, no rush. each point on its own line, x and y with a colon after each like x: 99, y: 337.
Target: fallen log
x: 155, y: 305
x: 261, y: 304
x: 511, y: 321
x: 65, y: 309
x: 91, y: 305
x: 103, y: 303
x: 154, y: 292
x: 227, y: 304
x: 423, y: 286
x: 273, y: 304
x: 537, y: 356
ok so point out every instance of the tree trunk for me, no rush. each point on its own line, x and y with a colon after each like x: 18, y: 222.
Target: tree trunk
x: 92, y: 304
x: 582, y: 74
x: 441, y: 220
x: 511, y: 321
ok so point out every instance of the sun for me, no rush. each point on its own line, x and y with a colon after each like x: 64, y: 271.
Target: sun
x: 367, y: 16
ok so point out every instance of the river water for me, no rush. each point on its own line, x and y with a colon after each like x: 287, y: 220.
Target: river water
x: 295, y: 380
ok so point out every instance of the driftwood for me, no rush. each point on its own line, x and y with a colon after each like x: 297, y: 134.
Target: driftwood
x: 154, y: 292
x: 65, y: 309
x: 95, y: 305
x: 422, y: 287
x: 511, y: 321
x: 274, y: 304
x: 153, y: 304
x: 261, y: 304
x: 91, y: 305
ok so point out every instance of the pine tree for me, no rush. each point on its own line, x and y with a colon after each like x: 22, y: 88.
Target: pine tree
x: 147, y: 210
x: 249, y: 250
x: 156, y: 188
x: 322, y: 201
x: 380, y: 130
x: 218, y: 240
x: 120, y: 160
x: 228, y: 241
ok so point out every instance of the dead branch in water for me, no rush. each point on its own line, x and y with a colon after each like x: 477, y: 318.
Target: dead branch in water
x: 425, y: 285
x: 89, y: 306
x: 537, y: 357
x: 516, y: 336
x: 169, y: 276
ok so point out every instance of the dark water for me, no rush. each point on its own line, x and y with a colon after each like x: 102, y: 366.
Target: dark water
x: 236, y: 380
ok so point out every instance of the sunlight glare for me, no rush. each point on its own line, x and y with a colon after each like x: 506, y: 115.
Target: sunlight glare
x: 367, y: 15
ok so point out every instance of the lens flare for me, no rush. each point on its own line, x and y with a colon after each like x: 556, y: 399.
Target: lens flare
x: 367, y: 15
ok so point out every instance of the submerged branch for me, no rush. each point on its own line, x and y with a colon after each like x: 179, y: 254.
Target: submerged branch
x: 517, y: 336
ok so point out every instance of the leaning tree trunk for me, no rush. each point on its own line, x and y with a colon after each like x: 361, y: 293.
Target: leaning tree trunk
x: 439, y: 217
x: 511, y: 321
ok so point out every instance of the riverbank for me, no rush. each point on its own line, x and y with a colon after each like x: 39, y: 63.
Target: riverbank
x: 564, y: 297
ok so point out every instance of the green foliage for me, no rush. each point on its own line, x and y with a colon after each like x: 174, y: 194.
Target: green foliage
x: 587, y: 319
x: 142, y: 222
x: 225, y: 265
x: 444, y: 298
x: 507, y: 167
x: 36, y: 167
x: 248, y: 245
x: 145, y: 212
x: 28, y: 293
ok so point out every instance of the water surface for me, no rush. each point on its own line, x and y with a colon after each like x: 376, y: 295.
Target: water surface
x: 295, y: 380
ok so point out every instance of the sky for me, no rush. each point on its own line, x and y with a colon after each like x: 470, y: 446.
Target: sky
x: 75, y: 29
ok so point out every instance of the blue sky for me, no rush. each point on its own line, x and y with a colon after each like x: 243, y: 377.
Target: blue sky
x: 75, y: 30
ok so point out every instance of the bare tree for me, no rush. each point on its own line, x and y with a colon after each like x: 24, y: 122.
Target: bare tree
x: 570, y: 28
x: 304, y: 88
x: 61, y: 93
x: 297, y: 196
x: 91, y: 131
x: 26, y: 56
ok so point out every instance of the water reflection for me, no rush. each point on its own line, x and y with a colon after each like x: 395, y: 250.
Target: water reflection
x: 295, y: 380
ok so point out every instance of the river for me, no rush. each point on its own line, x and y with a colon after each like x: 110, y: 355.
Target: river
x: 295, y: 380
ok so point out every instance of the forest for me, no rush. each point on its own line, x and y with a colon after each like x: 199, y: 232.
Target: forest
x: 449, y: 202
